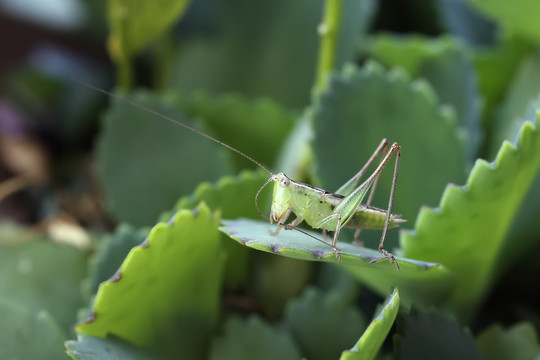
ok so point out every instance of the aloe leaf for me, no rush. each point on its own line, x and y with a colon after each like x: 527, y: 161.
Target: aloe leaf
x: 309, y: 317
x: 371, y: 341
x: 28, y: 334
x: 363, y: 106
x: 252, y: 339
x: 519, y: 342
x: 94, y: 348
x: 166, y: 293
x: 467, y: 230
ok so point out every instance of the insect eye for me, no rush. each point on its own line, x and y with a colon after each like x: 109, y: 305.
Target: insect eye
x: 285, y: 182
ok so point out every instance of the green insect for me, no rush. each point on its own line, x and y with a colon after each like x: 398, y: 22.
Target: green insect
x: 317, y: 207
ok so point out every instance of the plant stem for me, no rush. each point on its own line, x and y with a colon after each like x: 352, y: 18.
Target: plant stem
x: 329, y: 32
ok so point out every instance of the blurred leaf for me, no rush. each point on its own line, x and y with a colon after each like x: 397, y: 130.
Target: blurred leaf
x: 252, y: 339
x: 267, y: 47
x: 166, y: 292
x: 146, y: 163
x: 466, y: 231
x: 432, y: 336
x: 41, y: 275
x: 463, y: 21
x: 496, y: 68
x: 135, y: 23
x: 28, y: 334
x: 517, y: 16
x: 446, y: 64
x: 113, y: 252
x: 255, y: 127
x: 517, y: 105
x: 371, y: 341
x: 520, y: 342
x: 360, y: 108
x: 94, y: 348
x: 408, y: 52
x: 310, y: 317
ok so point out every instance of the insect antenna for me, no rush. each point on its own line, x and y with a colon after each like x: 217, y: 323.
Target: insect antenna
x: 154, y: 112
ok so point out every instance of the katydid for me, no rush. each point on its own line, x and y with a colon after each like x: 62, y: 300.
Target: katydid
x: 317, y: 207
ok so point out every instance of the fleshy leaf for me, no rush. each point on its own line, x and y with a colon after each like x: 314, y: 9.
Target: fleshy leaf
x: 421, y: 282
x: 496, y: 67
x: 147, y: 163
x: 26, y: 334
x: 466, y: 232
x: 94, y: 348
x: 521, y: 92
x: 371, y: 341
x: 290, y: 243
x: 112, y: 253
x: 445, y: 63
x: 233, y: 197
x: 520, y: 342
x: 34, y: 275
x: 433, y: 336
x: 310, y: 317
x: 360, y: 108
x: 265, y: 30
x: 167, y: 290
x: 516, y: 16
x: 252, y: 339
x: 255, y: 127
x: 134, y: 24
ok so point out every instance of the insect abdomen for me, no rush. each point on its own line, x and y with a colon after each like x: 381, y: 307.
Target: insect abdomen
x: 372, y: 218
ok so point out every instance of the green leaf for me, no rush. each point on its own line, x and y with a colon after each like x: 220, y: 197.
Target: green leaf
x: 269, y: 48
x: 135, y: 23
x: 521, y: 93
x: 516, y: 16
x: 26, y: 334
x: 41, y: 275
x: 258, y: 235
x: 252, y: 339
x: 446, y: 64
x: 364, y: 106
x: 166, y: 292
x: 466, y: 232
x: 94, y: 348
x: 496, y: 68
x: 520, y: 342
x: 147, y: 163
x: 112, y: 253
x: 371, y: 341
x: 408, y: 52
x: 233, y: 197
x: 433, y: 336
x: 310, y: 317
x: 255, y: 127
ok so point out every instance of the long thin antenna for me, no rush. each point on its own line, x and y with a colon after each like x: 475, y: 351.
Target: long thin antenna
x: 154, y: 112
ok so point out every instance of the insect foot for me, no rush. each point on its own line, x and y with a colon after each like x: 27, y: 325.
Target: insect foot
x: 387, y: 255
x: 338, y: 255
